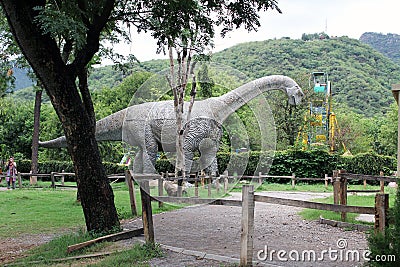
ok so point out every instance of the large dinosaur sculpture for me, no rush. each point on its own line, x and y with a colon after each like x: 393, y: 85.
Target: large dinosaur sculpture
x: 148, y: 125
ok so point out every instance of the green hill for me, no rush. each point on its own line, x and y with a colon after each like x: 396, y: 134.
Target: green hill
x: 387, y: 44
x: 361, y: 77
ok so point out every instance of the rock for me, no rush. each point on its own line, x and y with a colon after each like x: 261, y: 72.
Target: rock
x: 172, y: 189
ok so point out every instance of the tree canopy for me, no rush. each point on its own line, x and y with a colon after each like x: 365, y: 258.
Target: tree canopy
x: 61, y: 39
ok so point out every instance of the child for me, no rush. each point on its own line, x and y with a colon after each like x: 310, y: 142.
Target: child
x: 11, y: 169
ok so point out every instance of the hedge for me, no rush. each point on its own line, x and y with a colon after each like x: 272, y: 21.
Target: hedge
x: 24, y: 166
x: 310, y: 164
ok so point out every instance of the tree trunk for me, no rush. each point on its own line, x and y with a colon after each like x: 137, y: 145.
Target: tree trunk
x: 35, y: 136
x: 74, y: 108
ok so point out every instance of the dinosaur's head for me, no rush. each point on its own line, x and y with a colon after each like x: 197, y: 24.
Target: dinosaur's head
x: 295, y: 94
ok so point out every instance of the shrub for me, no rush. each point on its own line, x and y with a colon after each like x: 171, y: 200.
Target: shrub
x: 389, y: 243
x: 369, y: 163
x: 24, y: 166
x: 305, y: 164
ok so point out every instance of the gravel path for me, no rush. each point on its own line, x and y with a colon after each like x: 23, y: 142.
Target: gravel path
x: 205, y: 233
x: 215, y: 230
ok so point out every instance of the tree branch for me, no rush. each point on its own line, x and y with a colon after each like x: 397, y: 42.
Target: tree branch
x: 86, y: 53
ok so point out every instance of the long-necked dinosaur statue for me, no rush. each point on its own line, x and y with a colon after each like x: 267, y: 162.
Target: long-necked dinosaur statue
x: 149, y: 125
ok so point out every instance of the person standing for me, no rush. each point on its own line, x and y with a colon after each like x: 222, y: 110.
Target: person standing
x: 11, y: 176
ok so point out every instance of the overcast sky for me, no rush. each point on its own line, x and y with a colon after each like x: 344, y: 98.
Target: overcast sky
x: 335, y: 17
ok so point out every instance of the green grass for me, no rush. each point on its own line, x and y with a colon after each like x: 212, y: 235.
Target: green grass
x: 48, y: 211
x: 37, y: 211
x: 137, y: 256
x: 352, y: 200
x: 46, y: 255
x: 300, y: 187
x: 303, y: 187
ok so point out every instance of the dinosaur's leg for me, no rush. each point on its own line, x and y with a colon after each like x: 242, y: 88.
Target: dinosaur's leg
x: 208, y: 159
x: 213, y: 168
x: 188, y: 161
x: 138, y: 163
x: 150, y: 156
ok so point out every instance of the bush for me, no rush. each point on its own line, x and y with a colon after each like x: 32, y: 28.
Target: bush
x: 47, y: 167
x: 369, y: 163
x: 304, y: 164
x: 388, y: 243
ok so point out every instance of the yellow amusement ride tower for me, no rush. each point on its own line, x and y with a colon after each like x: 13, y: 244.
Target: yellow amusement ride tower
x: 320, y: 123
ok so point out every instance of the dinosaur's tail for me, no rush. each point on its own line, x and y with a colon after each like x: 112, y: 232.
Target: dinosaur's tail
x: 107, y: 129
x: 55, y: 143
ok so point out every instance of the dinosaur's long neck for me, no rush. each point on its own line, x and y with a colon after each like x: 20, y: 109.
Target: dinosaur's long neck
x: 235, y: 99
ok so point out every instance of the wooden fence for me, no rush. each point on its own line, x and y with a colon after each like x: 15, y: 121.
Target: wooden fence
x: 339, y: 181
x: 248, y: 202
x: 54, y: 176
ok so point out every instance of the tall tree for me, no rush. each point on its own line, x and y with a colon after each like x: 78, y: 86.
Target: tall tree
x: 188, y: 28
x: 7, y: 51
x: 46, y: 32
x: 206, y: 83
x: 35, y: 135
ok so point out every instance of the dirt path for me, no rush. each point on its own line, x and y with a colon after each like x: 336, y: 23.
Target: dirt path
x: 215, y: 230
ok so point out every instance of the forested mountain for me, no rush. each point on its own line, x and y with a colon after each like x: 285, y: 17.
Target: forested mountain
x: 22, y: 79
x: 361, y: 80
x: 387, y: 44
x: 361, y: 77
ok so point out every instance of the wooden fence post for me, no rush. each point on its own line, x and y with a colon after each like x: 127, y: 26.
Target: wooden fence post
x: 147, y: 213
x: 180, y: 185
x: 381, y: 210
x: 19, y: 180
x: 336, y: 186
x: 382, y: 183
x: 293, y: 180
x: 260, y: 180
x: 160, y: 190
x: 343, y: 194
x: 131, y: 188
x: 226, y: 184
x: 326, y: 181
x: 62, y: 178
x: 217, y: 184
x: 209, y: 184
x: 196, y: 186
x: 365, y: 183
x: 53, y: 180
x: 247, y: 228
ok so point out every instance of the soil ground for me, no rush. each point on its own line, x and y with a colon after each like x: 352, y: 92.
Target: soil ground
x: 215, y: 230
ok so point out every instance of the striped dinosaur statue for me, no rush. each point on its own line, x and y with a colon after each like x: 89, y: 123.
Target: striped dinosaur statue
x: 149, y: 125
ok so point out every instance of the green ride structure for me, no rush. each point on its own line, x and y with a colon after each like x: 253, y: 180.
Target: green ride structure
x: 320, y: 127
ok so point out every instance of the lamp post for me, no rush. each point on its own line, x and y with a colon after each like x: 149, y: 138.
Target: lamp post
x: 396, y: 95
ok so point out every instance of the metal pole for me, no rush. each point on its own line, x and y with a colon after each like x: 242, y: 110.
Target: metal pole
x: 396, y: 95
x: 398, y: 135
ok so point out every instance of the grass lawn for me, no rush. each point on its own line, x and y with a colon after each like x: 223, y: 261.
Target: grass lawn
x: 35, y: 211
x: 359, y: 199
x: 46, y: 210
x: 49, y: 210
